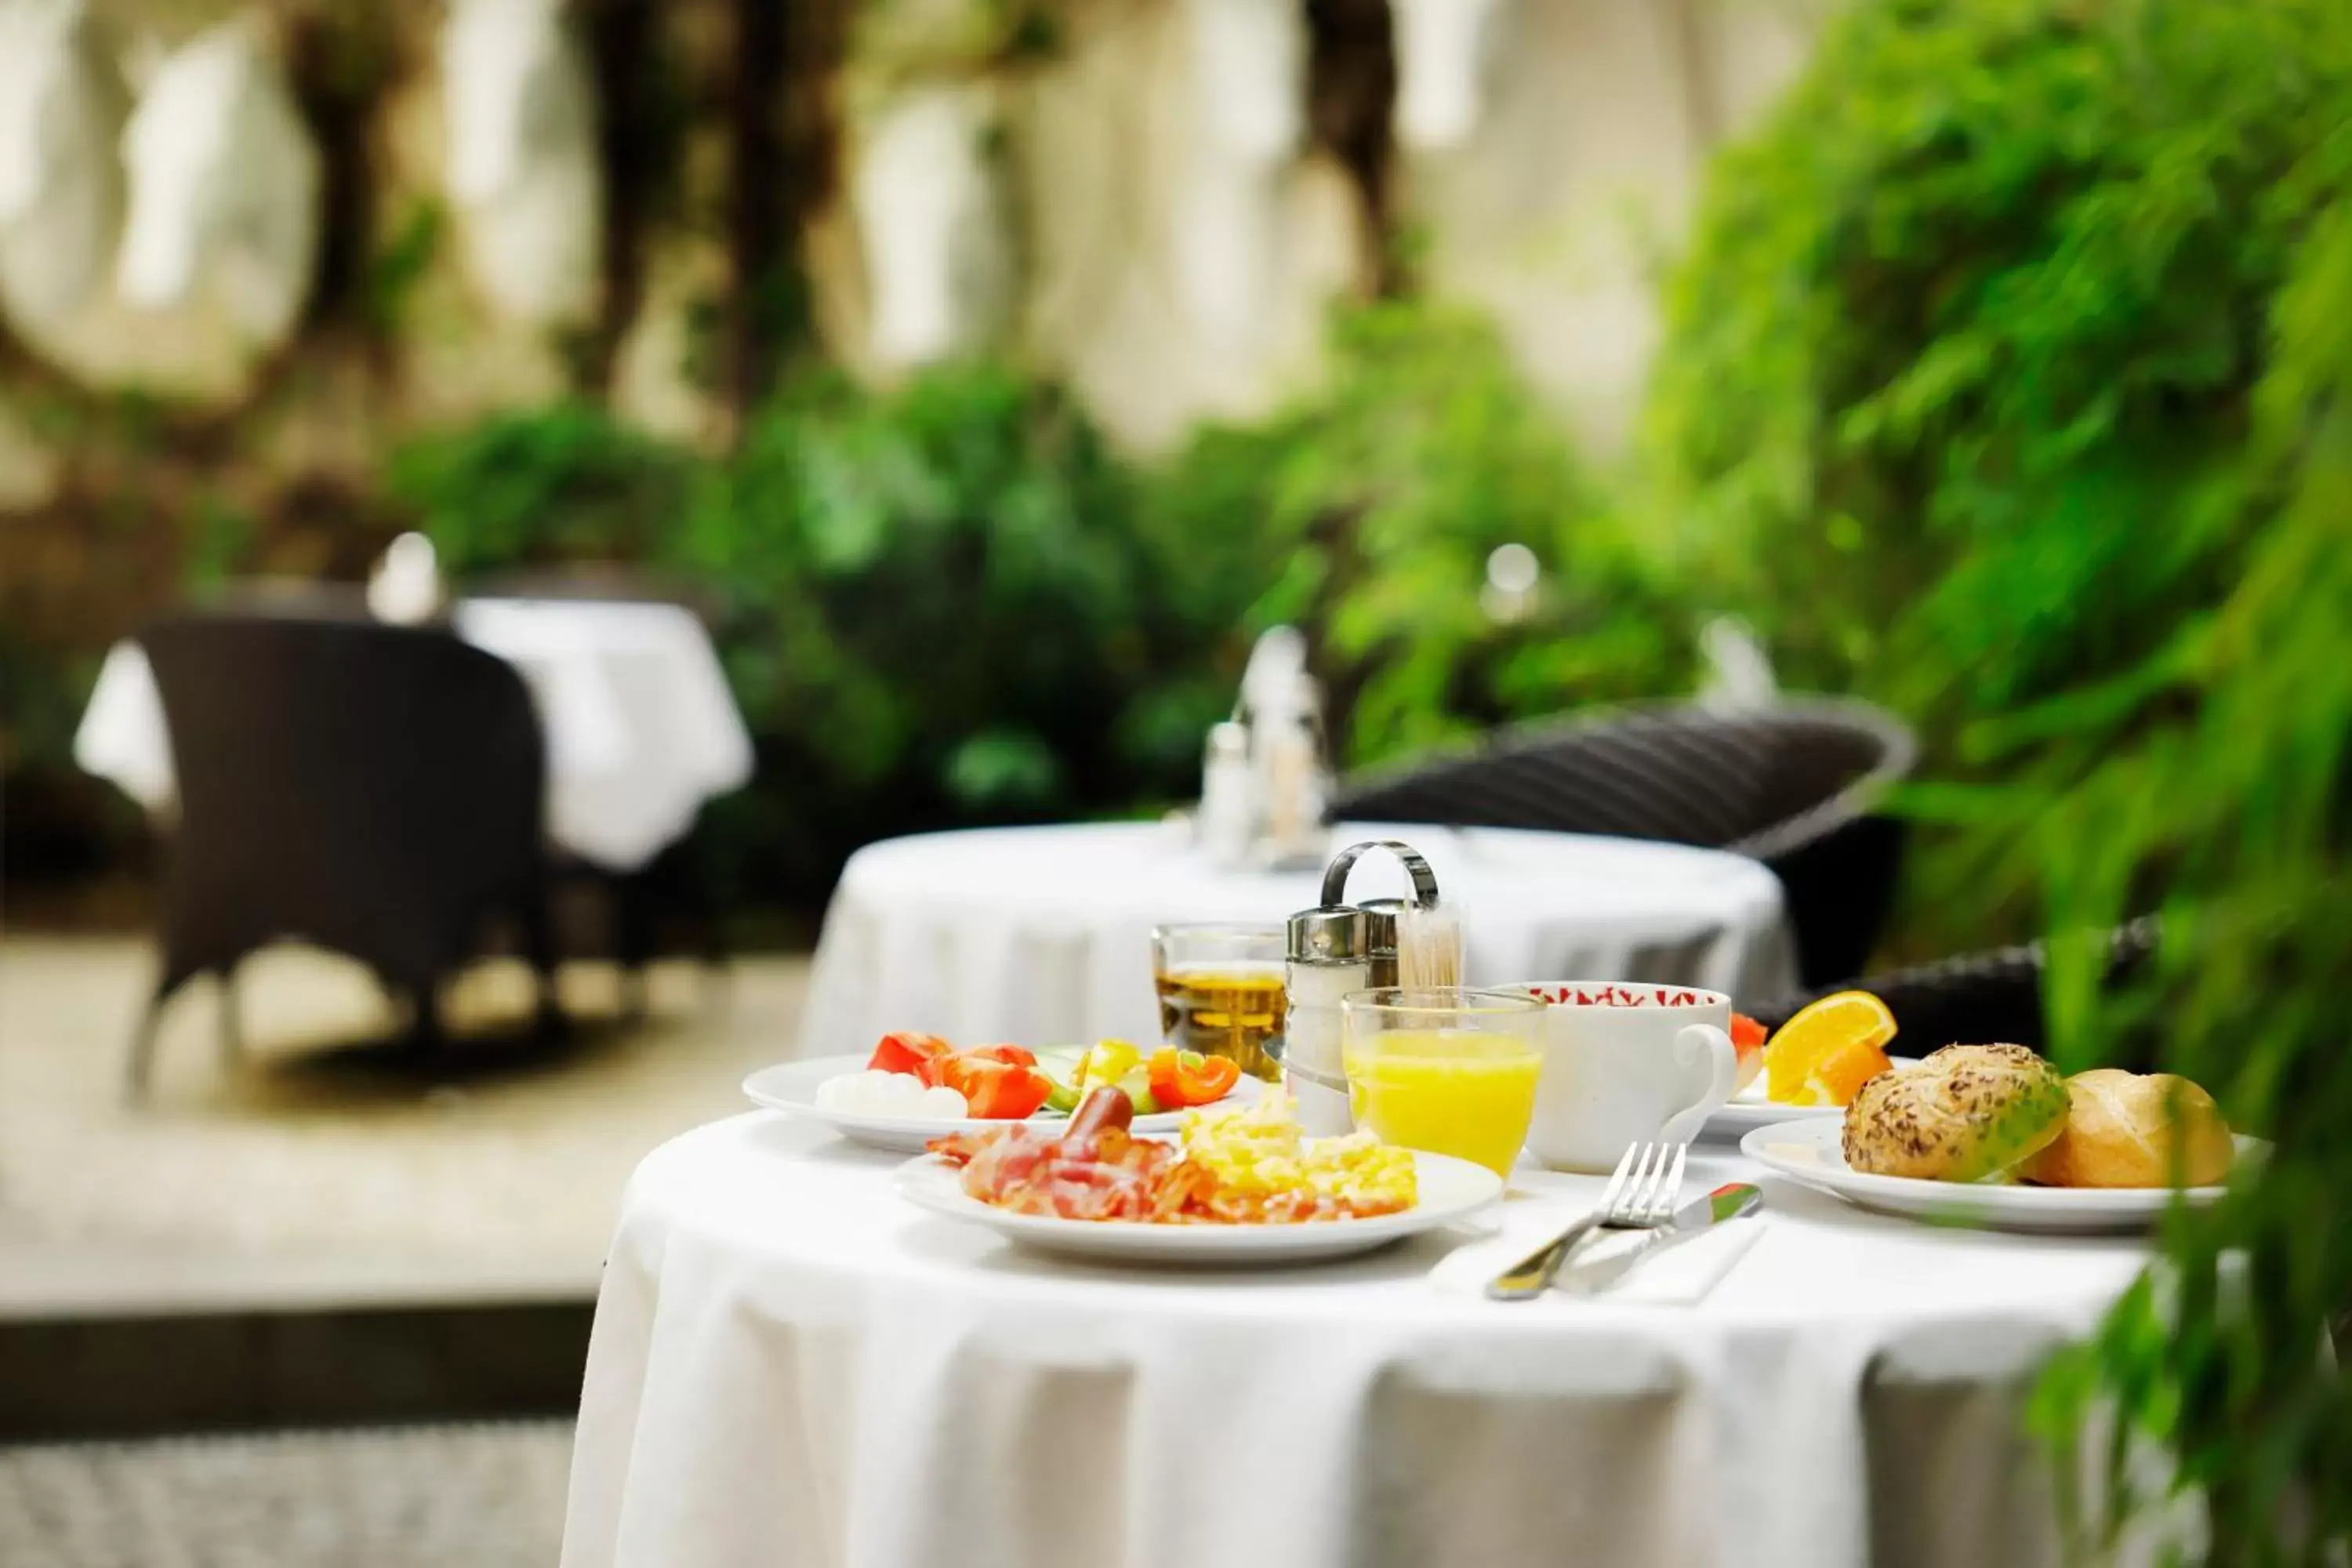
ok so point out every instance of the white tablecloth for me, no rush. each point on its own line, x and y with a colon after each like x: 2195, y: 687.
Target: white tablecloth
x: 641, y: 728
x: 1044, y: 934
x: 792, y: 1367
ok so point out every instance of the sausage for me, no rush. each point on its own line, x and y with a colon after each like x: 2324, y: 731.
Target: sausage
x: 1103, y: 1108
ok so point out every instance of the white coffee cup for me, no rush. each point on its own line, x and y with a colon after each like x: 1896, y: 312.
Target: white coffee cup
x: 1626, y: 1063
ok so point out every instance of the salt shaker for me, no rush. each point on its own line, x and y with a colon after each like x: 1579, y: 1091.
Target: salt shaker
x: 1293, y: 778
x: 1228, y: 815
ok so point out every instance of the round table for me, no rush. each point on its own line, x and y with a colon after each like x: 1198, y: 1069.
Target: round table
x: 793, y: 1366
x: 1042, y: 935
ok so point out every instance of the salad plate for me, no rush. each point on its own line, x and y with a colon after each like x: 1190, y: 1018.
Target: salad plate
x: 791, y: 1087
x: 1811, y: 1152
x: 1450, y: 1190
x: 1749, y: 1109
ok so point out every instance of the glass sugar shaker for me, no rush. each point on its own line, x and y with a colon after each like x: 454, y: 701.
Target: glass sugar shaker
x: 1324, y: 961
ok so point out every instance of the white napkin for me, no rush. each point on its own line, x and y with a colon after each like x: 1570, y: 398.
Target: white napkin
x: 1678, y: 1272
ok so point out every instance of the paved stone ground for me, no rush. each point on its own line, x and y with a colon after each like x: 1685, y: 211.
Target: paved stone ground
x: 488, y: 1496
x: 330, y: 1164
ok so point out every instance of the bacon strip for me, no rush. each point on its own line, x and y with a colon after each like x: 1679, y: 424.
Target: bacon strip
x: 1110, y: 1174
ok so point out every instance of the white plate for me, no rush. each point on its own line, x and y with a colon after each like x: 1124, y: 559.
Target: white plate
x: 1748, y: 1108
x: 1811, y: 1152
x: 791, y: 1087
x: 1451, y: 1189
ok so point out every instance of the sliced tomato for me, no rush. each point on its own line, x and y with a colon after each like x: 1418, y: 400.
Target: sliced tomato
x: 1748, y: 1040
x: 1011, y: 1056
x: 996, y: 1091
x: 1746, y: 1034
x: 906, y: 1052
x: 1188, y: 1077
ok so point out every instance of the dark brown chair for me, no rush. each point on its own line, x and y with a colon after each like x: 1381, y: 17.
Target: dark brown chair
x: 371, y: 789
x: 1793, y: 786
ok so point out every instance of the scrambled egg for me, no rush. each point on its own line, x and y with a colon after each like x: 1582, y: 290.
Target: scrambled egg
x: 1257, y: 1147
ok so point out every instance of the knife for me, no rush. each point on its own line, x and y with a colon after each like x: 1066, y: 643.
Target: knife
x: 1728, y: 1201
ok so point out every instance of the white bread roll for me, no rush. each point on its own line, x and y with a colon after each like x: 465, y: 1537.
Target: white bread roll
x: 1964, y: 1113
x: 2123, y: 1130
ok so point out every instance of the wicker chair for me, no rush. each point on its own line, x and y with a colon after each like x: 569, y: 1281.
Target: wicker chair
x: 1791, y: 786
x: 1980, y: 998
x: 374, y: 789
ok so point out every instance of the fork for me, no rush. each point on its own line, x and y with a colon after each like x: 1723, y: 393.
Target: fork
x: 1640, y: 1196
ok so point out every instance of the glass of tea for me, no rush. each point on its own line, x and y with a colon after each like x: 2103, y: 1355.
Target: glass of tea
x: 1221, y: 991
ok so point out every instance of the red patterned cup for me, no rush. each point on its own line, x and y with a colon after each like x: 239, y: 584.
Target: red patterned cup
x: 1626, y: 1063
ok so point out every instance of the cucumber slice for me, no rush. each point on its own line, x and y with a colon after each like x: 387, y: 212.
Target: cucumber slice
x: 1137, y: 1084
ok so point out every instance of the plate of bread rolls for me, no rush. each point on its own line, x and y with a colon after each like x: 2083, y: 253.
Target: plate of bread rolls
x: 1996, y: 1136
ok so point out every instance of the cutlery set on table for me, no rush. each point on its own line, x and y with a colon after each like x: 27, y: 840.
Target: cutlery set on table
x: 1641, y: 1196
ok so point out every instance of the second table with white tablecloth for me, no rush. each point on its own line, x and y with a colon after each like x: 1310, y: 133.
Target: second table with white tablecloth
x: 1042, y: 935
x: 641, y: 728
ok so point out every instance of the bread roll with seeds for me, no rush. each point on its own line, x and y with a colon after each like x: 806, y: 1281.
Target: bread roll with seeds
x: 1961, y: 1115
x: 2122, y: 1129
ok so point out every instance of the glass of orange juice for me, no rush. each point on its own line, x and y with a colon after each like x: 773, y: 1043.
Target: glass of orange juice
x: 1450, y: 1071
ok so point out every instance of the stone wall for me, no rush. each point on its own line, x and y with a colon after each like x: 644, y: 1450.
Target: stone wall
x: 135, y: 445
x: 1556, y: 214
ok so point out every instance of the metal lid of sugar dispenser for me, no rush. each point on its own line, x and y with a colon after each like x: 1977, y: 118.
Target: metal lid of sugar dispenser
x: 1381, y: 939
x: 1327, y: 936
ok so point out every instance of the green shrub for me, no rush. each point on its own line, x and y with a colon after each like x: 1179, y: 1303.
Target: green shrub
x: 1956, y: 385
x: 952, y: 604
x: 2225, y: 790
x: 544, y: 487
x: 1367, y: 513
x: 2011, y: 378
x: 933, y: 603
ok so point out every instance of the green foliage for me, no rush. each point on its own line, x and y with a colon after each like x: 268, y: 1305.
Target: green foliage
x: 933, y: 605
x: 1368, y: 513
x: 399, y: 266
x: 219, y: 540
x: 2011, y: 382
x: 918, y: 40
x: 1957, y: 378
x: 563, y: 483
x: 951, y: 602
x: 2223, y: 789
x: 938, y: 587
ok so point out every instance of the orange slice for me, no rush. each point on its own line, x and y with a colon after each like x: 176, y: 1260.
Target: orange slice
x: 1826, y: 1053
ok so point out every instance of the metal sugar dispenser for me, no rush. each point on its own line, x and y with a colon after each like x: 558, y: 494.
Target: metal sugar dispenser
x: 1334, y: 949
